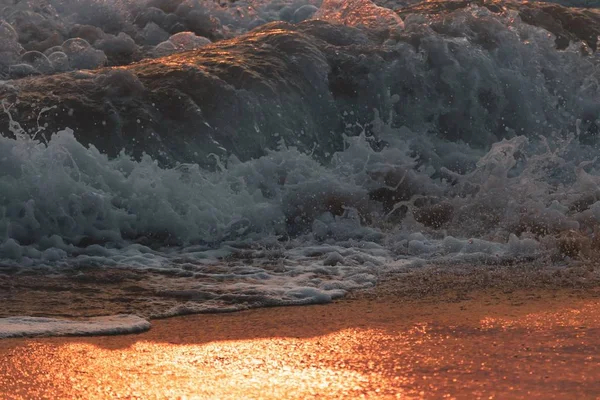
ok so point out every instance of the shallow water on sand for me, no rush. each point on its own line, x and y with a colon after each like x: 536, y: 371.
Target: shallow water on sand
x: 539, y: 344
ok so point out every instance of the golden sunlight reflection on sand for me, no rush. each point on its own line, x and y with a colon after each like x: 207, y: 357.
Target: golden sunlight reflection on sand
x: 494, y: 346
x: 330, y: 366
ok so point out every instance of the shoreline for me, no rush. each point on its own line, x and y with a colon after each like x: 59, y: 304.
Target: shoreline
x: 535, y: 343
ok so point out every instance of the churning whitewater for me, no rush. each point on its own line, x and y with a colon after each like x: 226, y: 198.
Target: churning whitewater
x: 259, y: 153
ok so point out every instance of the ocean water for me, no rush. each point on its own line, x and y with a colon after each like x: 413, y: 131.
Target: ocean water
x: 480, y: 148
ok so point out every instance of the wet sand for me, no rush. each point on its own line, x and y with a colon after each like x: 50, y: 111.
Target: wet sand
x: 535, y: 344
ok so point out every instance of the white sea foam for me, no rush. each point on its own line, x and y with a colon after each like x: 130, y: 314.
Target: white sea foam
x: 12, y: 327
x: 65, y: 203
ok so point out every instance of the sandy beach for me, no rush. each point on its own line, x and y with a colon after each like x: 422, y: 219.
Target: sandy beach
x: 378, y: 199
x: 535, y: 344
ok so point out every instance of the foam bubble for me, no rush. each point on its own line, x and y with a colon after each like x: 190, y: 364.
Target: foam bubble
x: 188, y: 41
x: 164, y: 49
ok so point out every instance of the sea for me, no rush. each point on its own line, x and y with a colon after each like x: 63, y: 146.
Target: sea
x: 348, y: 142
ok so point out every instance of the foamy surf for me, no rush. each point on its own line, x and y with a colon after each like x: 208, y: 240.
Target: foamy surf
x: 13, y: 327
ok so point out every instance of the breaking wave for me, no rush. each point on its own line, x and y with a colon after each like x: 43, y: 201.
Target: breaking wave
x: 473, y: 140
